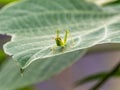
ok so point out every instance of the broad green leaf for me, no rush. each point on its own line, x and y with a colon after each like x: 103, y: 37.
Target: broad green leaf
x: 113, y: 34
x: 94, y: 77
x: 40, y: 70
x: 33, y: 24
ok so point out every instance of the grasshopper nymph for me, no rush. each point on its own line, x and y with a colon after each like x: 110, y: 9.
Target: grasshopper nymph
x: 61, y: 42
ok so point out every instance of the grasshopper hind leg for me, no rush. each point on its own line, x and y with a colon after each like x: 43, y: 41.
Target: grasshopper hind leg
x: 53, y: 49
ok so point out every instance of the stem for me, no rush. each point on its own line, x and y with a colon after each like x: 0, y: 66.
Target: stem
x: 109, y: 75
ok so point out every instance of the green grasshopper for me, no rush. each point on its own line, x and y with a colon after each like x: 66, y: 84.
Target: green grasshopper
x: 61, y: 42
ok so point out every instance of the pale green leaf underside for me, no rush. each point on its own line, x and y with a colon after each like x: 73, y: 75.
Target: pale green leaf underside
x: 33, y: 25
x: 40, y: 70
